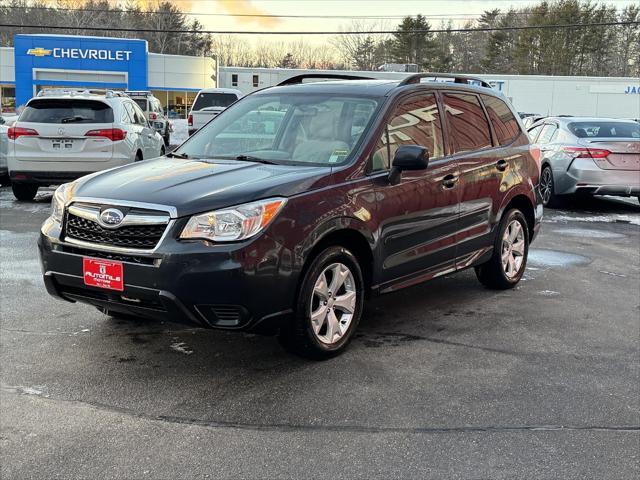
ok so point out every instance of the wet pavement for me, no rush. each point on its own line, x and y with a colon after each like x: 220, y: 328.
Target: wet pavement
x: 444, y: 380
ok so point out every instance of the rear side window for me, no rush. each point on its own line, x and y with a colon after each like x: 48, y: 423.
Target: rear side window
x: 605, y: 129
x: 205, y: 100
x: 416, y: 121
x: 67, y: 111
x: 467, y: 121
x: 549, y: 133
x: 533, y: 133
x: 504, y: 123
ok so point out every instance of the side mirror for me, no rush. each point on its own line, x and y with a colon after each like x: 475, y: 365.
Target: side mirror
x: 408, y: 157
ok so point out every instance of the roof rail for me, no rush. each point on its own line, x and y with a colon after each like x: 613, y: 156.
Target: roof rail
x: 299, y: 78
x: 72, y: 92
x: 456, y: 79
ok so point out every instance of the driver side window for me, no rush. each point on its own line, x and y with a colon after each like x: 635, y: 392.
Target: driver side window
x: 416, y: 121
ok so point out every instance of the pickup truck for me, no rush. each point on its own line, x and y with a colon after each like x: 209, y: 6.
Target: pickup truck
x: 208, y: 103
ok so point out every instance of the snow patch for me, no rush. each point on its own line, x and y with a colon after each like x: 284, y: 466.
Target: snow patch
x: 548, y: 293
x: 181, y: 347
x: 613, y: 274
x: 180, y: 131
x: 614, y: 218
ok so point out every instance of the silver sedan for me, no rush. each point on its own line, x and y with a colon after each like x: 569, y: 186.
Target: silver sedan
x: 595, y: 156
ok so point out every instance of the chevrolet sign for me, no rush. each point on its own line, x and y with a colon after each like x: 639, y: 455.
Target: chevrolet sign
x: 82, y: 53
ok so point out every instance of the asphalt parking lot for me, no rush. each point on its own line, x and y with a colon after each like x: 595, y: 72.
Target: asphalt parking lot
x: 446, y: 379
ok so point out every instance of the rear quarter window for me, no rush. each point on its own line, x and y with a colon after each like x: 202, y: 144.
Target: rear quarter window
x: 503, y: 121
x: 469, y: 127
x: 67, y: 111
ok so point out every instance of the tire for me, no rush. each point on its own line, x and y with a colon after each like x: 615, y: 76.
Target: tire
x: 547, y: 189
x: 496, y: 275
x: 24, y: 191
x: 329, y: 334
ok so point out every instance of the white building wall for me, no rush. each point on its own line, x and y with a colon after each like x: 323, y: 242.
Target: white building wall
x: 7, y: 65
x: 180, y: 72
x: 546, y: 95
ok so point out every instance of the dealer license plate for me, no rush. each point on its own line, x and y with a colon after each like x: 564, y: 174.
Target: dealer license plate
x: 103, y: 273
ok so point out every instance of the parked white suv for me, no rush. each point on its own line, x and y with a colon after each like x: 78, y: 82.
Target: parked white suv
x: 152, y: 109
x: 64, y: 134
x: 208, y: 104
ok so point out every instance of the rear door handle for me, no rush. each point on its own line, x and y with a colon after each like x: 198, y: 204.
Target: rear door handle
x: 449, y: 181
x: 502, y: 165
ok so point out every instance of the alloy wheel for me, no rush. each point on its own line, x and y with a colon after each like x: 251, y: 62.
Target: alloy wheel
x: 513, y: 249
x: 546, y: 185
x: 333, y: 303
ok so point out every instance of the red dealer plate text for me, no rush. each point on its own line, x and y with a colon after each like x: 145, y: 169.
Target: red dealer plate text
x: 102, y: 273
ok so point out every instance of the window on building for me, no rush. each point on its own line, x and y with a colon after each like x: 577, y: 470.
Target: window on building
x: 234, y: 79
x: 415, y: 122
x: 7, y: 99
x: 504, y: 123
x: 468, y: 124
x: 256, y: 81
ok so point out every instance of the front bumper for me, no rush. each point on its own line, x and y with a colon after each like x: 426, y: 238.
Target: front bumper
x: 243, y: 286
x: 584, y: 176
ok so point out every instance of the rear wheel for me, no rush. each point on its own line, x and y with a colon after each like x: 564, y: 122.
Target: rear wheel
x: 329, y: 306
x: 506, y: 267
x: 547, y: 188
x: 24, y: 191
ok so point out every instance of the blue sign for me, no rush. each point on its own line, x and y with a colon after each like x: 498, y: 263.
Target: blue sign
x: 39, y: 57
x: 632, y: 89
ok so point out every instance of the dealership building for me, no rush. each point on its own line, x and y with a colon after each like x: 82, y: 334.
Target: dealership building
x: 40, y: 61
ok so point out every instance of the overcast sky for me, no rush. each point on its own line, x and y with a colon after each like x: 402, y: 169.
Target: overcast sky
x: 390, y: 11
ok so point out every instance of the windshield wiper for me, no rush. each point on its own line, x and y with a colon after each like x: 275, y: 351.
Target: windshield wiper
x: 77, y: 118
x: 177, y: 155
x: 251, y: 158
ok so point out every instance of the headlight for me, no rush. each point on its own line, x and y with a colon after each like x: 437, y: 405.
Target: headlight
x: 60, y: 197
x: 236, y: 223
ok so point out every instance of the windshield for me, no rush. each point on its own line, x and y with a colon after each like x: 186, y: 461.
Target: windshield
x: 67, y: 111
x: 299, y: 129
x: 205, y: 100
x: 605, y: 129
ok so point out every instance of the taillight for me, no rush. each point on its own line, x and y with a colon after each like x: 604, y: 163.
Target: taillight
x: 152, y: 116
x: 190, y: 120
x: 582, y: 152
x: 15, y: 132
x: 113, y: 134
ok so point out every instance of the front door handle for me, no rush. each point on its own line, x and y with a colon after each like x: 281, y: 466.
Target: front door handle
x: 449, y: 181
x: 502, y: 165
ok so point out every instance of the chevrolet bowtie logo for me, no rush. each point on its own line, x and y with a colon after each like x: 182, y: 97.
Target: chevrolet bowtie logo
x: 38, y: 52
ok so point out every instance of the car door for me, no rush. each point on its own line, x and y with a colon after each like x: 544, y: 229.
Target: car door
x: 151, y: 148
x: 419, y: 214
x: 482, y: 167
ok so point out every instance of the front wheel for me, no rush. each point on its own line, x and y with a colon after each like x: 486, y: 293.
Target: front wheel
x: 506, y: 267
x: 329, y: 306
x: 24, y: 191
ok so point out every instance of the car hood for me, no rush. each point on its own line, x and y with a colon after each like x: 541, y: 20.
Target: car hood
x: 195, y: 186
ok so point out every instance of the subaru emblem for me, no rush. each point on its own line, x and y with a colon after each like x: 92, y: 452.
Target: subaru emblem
x: 111, y: 218
x: 61, y: 131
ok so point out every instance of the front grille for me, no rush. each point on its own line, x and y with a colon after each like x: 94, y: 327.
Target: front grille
x: 130, y: 236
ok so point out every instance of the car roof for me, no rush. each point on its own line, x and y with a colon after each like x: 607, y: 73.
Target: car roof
x: 373, y: 87
x: 220, y: 90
